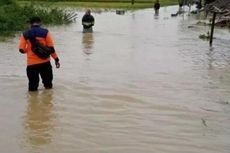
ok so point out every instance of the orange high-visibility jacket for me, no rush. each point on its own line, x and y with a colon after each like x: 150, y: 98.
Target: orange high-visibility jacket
x: 43, y: 36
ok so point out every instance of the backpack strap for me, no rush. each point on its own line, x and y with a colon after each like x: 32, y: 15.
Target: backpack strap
x: 32, y: 38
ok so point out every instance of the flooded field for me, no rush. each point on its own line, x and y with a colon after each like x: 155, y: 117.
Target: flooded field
x: 139, y: 84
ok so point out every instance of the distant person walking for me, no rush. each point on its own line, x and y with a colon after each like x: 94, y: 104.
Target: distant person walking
x: 157, y: 7
x: 37, y: 43
x: 88, y: 21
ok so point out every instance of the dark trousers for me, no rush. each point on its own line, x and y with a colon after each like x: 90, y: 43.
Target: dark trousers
x: 46, y: 73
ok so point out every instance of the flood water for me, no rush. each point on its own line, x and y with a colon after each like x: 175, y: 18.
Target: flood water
x: 138, y: 84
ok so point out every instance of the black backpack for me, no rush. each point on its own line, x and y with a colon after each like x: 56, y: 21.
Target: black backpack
x: 39, y: 49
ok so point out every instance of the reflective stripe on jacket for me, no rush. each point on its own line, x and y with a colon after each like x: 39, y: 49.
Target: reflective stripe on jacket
x: 87, y: 21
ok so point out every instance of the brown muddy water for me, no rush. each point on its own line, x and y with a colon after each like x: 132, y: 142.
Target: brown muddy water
x: 138, y: 84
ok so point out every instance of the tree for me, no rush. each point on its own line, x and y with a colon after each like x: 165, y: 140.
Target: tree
x: 6, y: 2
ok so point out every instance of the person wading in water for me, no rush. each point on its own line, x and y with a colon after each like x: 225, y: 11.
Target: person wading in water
x: 157, y: 7
x: 32, y: 40
x: 88, y: 21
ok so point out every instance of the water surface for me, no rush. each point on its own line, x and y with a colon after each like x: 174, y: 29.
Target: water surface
x: 139, y: 83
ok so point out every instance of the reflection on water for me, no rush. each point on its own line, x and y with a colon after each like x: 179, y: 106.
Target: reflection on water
x: 87, y: 43
x: 39, y: 118
x: 151, y: 85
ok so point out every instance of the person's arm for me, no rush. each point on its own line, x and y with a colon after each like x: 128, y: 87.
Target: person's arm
x: 22, y: 45
x: 93, y: 21
x: 83, y: 20
x: 49, y: 43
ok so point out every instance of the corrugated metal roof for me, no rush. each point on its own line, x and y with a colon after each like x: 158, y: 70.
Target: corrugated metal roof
x: 219, y: 6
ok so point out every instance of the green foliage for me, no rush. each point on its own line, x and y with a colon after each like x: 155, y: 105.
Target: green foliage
x: 14, y: 18
x: 9, y: 19
x: 107, y: 4
x: 138, y: 1
x: 6, y: 2
x: 52, y: 16
x: 102, y: 2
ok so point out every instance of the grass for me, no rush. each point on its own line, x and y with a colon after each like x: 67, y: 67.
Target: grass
x: 163, y: 2
x: 109, y: 5
x: 139, y: 4
x: 14, y: 14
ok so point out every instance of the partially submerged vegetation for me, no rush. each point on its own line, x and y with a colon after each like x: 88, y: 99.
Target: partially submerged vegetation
x: 205, y: 36
x: 14, y: 14
x: 14, y: 18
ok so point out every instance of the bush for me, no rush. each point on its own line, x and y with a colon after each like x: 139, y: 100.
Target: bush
x: 6, y: 2
x: 14, y: 18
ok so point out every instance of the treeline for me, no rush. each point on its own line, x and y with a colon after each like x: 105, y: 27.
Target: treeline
x: 14, y: 17
x: 104, y: 1
x: 6, y: 2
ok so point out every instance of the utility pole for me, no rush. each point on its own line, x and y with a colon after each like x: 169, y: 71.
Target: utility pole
x: 212, y: 28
